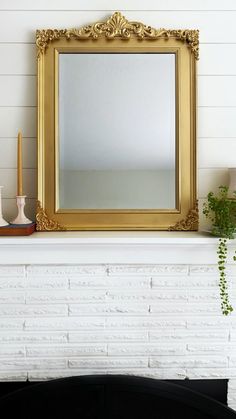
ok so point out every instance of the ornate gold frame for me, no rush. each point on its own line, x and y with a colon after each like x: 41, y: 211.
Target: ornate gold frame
x: 117, y: 34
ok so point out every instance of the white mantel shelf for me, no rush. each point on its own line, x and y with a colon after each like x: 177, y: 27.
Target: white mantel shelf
x: 110, y: 247
x: 93, y: 237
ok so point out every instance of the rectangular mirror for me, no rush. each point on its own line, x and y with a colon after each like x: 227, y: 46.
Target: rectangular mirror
x: 111, y: 157
x: 116, y: 144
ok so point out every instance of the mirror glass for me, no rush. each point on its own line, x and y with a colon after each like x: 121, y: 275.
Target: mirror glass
x: 117, y: 131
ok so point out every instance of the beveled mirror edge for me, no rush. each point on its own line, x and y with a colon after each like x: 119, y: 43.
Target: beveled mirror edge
x: 116, y: 26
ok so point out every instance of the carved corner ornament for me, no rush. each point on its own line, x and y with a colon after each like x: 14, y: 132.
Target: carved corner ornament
x: 188, y: 223
x: 43, y: 223
x: 117, y: 26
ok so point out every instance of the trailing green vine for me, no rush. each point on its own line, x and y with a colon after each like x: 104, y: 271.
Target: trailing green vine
x: 222, y: 252
x: 221, y: 210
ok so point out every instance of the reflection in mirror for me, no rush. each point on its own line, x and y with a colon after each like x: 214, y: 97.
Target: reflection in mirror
x: 117, y: 142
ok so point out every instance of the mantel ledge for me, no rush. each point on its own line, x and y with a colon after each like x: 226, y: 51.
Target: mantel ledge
x: 112, y: 248
x: 114, y: 237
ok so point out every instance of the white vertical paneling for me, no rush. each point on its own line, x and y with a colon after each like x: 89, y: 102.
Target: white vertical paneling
x: 216, y: 152
x: 17, y: 59
x: 168, y: 5
x: 13, y: 119
x: 8, y: 158
x: 216, y: 91
x: 8, y: 178
x: 17, y: 90
x: 216, y: 68
x: 211, y: 179
x: 217, y: 59
x: 209, y: 23
x: 217, y: 122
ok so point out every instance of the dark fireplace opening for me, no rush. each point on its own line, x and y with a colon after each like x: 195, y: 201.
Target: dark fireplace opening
x: 216, y: 389
x: 116, y: 397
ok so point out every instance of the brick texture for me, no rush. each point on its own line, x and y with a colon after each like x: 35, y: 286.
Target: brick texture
x: 159, y: 321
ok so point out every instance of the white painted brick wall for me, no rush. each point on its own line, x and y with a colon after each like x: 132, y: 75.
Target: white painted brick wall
x: 151, y: 320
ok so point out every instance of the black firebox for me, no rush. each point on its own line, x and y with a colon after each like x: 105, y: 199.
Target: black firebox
x: 115, y: 397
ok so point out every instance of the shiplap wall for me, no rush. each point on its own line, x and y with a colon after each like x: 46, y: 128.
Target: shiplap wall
x: 216, y: 77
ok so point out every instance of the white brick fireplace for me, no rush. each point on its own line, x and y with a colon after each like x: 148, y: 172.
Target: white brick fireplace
x: 130, y: 303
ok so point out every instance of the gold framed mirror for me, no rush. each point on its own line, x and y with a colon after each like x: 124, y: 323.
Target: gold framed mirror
x: 117, y: 127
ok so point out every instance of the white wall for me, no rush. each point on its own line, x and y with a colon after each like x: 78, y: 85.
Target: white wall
x: 216, y: 81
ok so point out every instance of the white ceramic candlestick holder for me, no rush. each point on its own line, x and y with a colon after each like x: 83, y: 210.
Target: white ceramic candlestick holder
x: 2, y: 221
x: 21, y: 218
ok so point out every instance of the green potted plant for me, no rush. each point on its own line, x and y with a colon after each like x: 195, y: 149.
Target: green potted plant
x: 220, y: 209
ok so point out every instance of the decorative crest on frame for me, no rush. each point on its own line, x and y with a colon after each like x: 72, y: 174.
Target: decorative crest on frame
x: 117, y: 26
x: 43, y: 223
x: 188, y: 223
